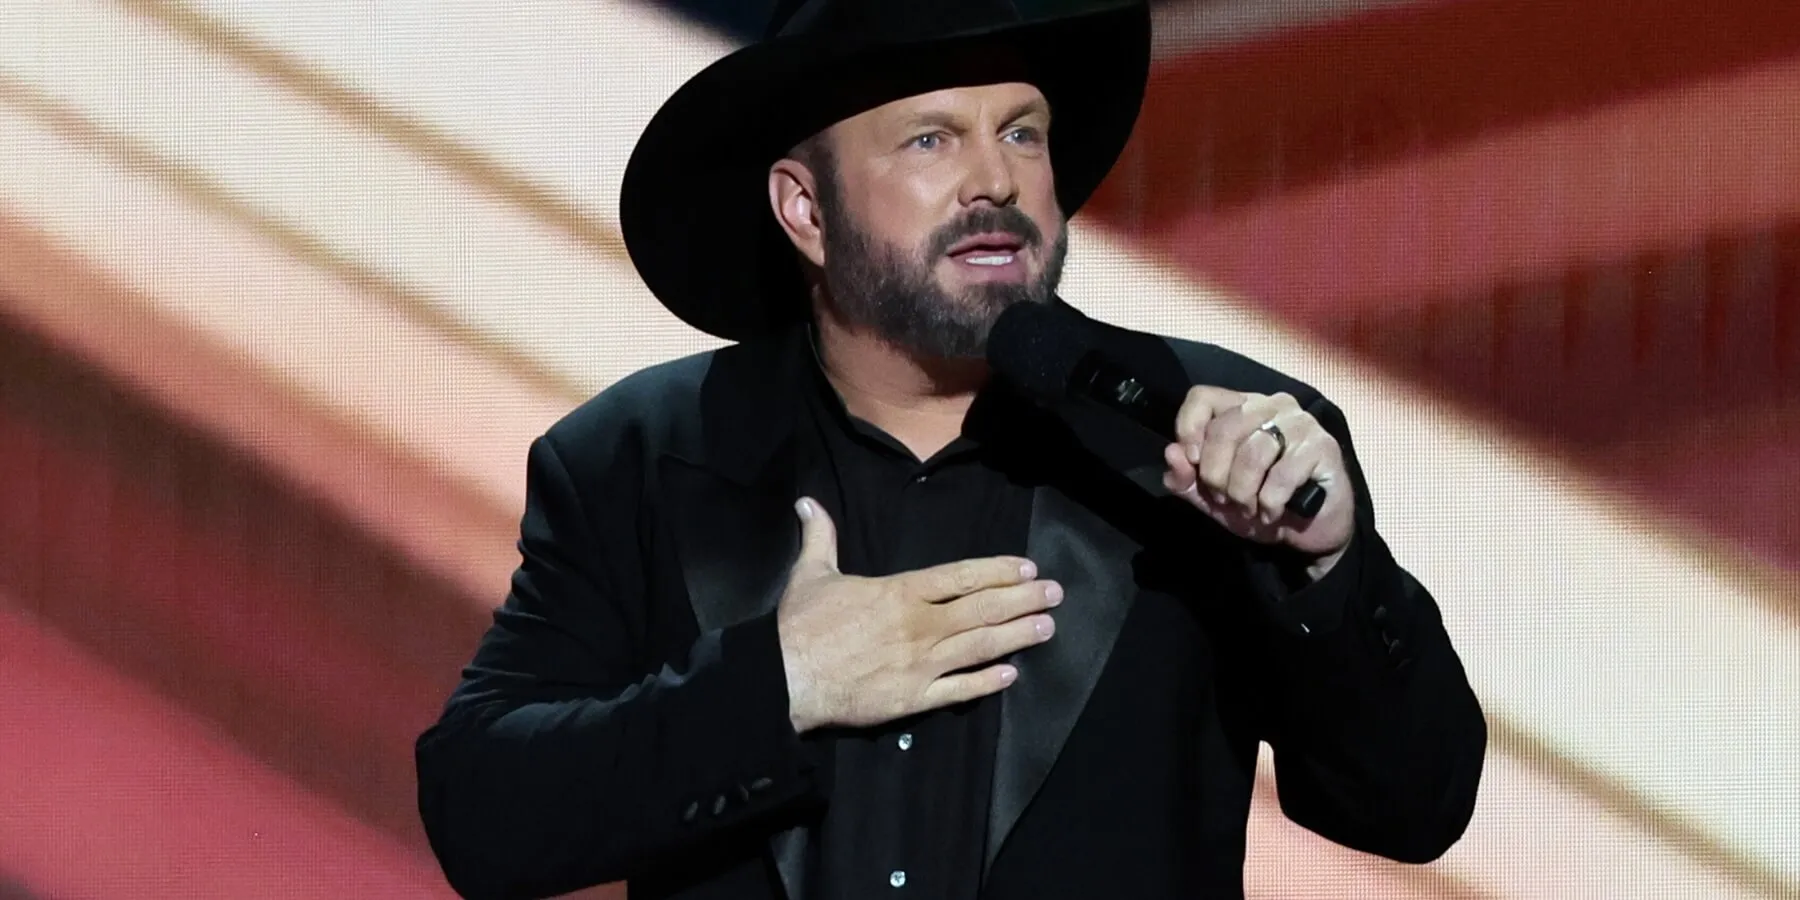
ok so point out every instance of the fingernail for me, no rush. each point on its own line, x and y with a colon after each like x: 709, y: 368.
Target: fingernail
x: 804, y: 506
x: 1007, y: 674
x: 1193, y: 453
x: 1028, y: 570
x: 1046, y: 627
x: 1054, y: 593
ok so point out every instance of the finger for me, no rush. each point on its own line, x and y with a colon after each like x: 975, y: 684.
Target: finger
x: 1304, y: 460
x: 1225, y: 436
x: 1180, y: 476
x: 1218, y: 453
x: 967, y: 649
x: 1203, y: 402
x: 999, y: 605
x: 1250, y: 468
x: 950, y: 690
x: 959, y: 579
x: 818, y: 536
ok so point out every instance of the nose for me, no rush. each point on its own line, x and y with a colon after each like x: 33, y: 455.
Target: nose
x: 990, y: 177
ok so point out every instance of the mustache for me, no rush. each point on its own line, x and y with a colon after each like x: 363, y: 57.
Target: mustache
x: 987, y: 220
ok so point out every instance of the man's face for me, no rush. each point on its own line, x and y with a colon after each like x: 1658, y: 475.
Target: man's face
x: 938, y: 212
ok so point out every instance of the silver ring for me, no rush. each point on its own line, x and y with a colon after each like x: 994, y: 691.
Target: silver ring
x: 1273, y: 430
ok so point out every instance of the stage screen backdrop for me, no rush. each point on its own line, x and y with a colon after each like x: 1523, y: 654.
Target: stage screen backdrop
x: 287, y: 288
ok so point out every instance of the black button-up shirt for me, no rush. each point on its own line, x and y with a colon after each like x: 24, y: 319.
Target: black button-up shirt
x: 908, y: 801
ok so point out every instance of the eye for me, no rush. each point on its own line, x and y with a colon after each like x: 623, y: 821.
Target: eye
x: 1025, y: 134
x: 928, y: 141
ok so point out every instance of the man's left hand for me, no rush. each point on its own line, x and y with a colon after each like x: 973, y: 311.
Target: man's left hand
x: 1230, y: 465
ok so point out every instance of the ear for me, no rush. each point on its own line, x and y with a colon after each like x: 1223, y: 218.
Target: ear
x: 793, y: 196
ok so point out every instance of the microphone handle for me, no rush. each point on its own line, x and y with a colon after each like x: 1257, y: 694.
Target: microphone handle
x: 1116, y: 389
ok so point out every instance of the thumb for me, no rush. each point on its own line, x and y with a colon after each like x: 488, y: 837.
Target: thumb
x: 818, y: 536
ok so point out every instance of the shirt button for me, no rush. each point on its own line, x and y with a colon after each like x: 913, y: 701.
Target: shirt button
x: 905, y: 742
x: 897, y: 878
x: 920, y: 478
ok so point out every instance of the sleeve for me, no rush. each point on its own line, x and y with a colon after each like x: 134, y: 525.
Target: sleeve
x: 562, y: 760
x: 1377, y: 735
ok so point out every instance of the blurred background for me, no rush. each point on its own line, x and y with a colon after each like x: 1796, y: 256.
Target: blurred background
x: 287, y: 288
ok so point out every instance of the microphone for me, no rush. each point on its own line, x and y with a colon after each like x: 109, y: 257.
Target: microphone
x: 1039, y: 348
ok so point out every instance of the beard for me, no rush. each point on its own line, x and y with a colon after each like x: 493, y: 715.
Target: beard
x: 896, y: 295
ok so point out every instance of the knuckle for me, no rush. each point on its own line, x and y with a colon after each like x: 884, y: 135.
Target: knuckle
x: 1268, y: 450
x: 988, y: 609
x: 1215, y: 471
x: 1224, y: 431
x: 1250, y: 476
x: 990, y: 645
x: 1016, y: 602
x: 963, y: 580
x: 929, y: 585
x: 996, y: 645
x: 965, y: 688
x: 994, y: 573
x: 1012, y: 569
x: 1297, y: 453
x: 1030, y: 598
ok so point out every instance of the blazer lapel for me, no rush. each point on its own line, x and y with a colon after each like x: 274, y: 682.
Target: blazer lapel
x: 737, y: 543
x: 1076, y: 465
x: 1093, y: 562
x: 731, y: 489
x: 728, y: 478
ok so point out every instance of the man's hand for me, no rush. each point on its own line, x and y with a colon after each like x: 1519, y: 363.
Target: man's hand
x: 862, y: 651
x: 1233, y: 470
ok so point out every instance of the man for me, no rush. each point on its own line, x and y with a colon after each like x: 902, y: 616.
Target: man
x: 993, y: 660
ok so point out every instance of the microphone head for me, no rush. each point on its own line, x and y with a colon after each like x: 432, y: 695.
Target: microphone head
x: 1036, y: 347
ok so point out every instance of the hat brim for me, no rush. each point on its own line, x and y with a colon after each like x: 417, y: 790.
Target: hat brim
x: 694, y: 208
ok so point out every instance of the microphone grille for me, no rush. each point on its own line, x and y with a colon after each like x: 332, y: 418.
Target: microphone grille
x: 1036, y: 347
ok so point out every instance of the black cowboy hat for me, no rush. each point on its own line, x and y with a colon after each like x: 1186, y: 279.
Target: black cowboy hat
x: 694, y: 206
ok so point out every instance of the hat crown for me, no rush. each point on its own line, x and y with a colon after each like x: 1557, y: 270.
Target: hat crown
x: 888, y: 20
x: 729, y: 269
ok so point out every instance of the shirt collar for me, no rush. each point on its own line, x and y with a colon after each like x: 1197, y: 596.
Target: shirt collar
x: 829, y: 402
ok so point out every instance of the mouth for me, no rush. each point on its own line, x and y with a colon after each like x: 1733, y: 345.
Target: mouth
x: 995, y: 250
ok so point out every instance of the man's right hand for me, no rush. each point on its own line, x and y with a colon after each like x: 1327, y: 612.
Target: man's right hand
x: 863, y: 651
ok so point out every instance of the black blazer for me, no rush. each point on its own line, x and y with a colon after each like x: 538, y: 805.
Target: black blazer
x: 625, y: 717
